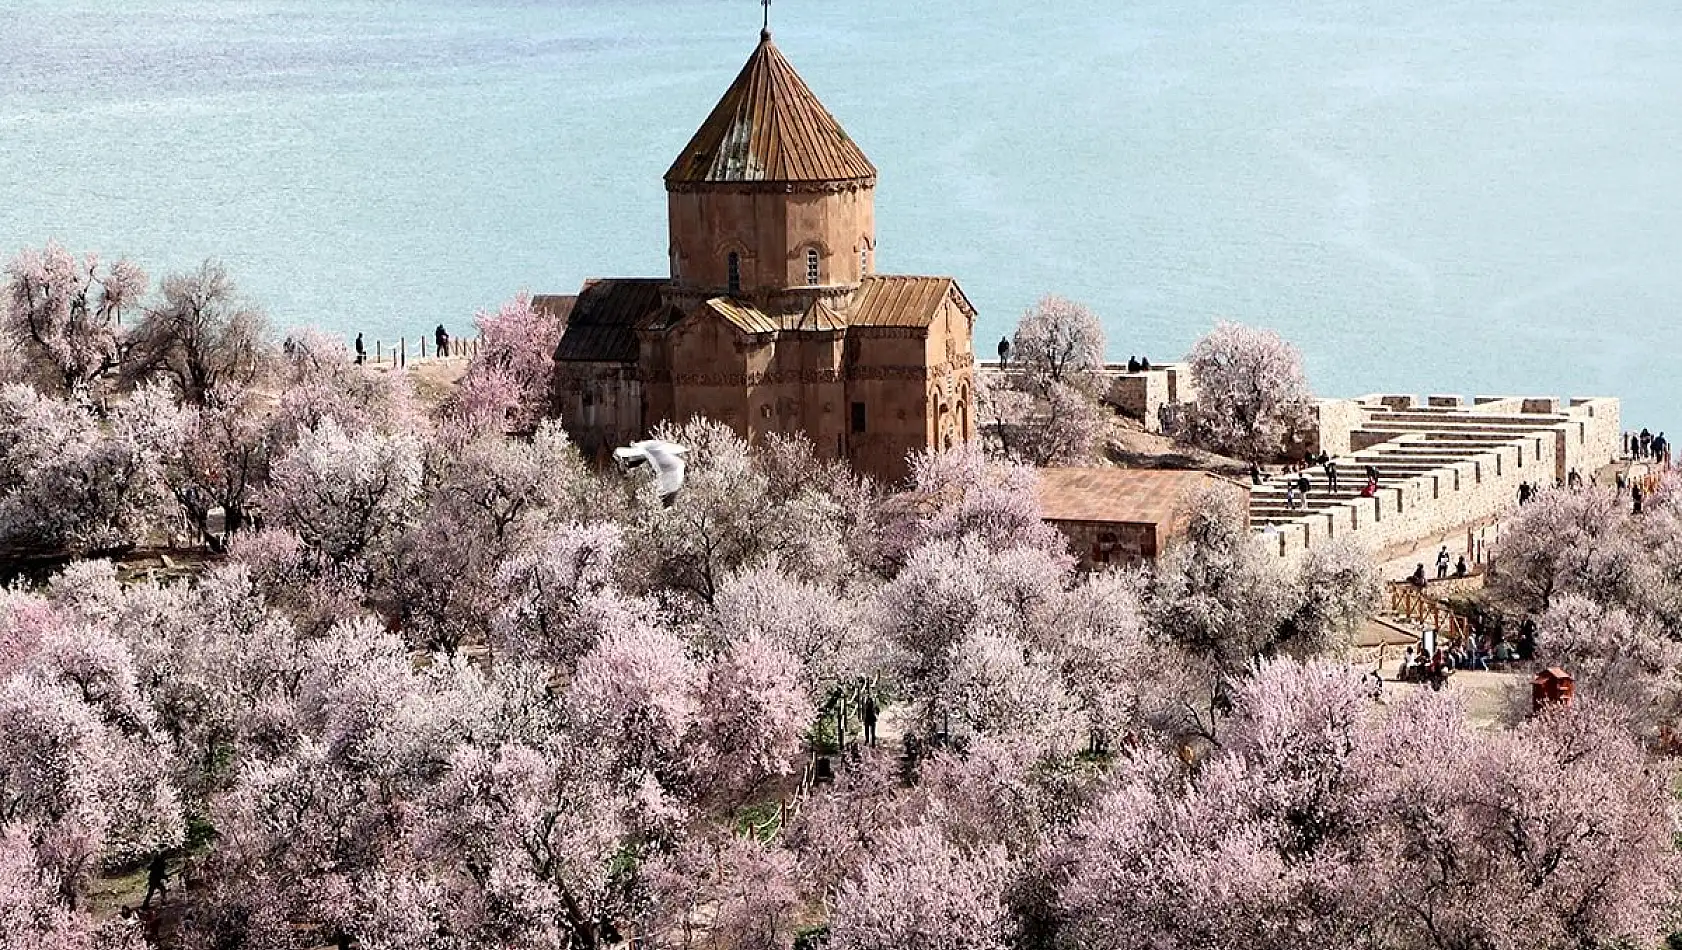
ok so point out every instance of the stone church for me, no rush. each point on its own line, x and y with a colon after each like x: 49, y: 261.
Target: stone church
x: 774, y: 318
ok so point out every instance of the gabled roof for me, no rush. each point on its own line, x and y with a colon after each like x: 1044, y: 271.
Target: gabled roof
x: 880, y: 301
x: 555, y: 306
x: 893, y: 301
x: 770, y: 127
x: 606, y: 314
x: 750, y: 319
x: 603, y: 325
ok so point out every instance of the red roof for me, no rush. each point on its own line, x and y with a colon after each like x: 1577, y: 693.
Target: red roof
x: 1121, y: 495
x: 770, y: 127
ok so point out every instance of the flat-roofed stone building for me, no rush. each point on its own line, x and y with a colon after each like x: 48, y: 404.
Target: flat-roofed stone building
x: 773, y: 318
x: 1118, y: 516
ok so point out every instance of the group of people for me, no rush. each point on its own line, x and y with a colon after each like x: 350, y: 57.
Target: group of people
x: 1138, y: 364
x: 1298, y: 484
x: 1418, y: 579
x: 1434, y: 666
x: 1474, y: 652
x: 1461, y: 569
x: 1632, y: 488
x: 1646, y: 446
x: 440, y: 337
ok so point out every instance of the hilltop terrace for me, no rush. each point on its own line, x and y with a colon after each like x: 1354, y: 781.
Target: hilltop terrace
x: 1444, y: 464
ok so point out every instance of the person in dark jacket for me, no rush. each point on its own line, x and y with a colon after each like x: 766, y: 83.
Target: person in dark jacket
x: 868, y: 713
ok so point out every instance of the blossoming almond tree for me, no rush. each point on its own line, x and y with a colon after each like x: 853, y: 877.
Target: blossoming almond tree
x: 1252, y: 396
x: 65, y: 315
x: 507, y: 383
x: 76, y: 482
x: 1046, y: 407
x: 344, y: 491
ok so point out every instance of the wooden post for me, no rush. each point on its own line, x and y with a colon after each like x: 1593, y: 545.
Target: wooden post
x: 423, y: 346
x: 403, y: 351
x: 378, y: 351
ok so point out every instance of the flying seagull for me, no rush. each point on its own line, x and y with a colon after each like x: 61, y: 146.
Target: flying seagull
x: 664, y: 459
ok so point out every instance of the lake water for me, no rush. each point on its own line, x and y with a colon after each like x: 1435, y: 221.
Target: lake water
x: 1431, y: 196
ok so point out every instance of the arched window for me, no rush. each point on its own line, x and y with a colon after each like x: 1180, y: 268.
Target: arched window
x: 733, y: 268
x: 812, y: 267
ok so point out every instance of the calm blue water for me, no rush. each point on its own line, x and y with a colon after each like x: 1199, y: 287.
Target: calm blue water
x: 1451, y: 197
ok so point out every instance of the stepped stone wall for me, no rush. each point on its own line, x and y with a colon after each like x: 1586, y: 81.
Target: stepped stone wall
x: 1443, y: 465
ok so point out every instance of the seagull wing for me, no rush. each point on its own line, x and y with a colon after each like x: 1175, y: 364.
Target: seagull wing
x: 667, y: 459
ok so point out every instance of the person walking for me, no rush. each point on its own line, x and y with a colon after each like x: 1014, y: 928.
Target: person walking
x: 1442, y: 563
x: 1645, y: 446
x: 157, y: 880
x: 1330, y: 468
x: 1004, y: 350
x: 1303, y: 485
x: 1291, y: 494
x: 868, y: 713
x: 441, y: 337
x: 361, y: 351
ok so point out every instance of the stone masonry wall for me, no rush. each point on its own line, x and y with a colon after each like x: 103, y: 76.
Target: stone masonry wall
x: 1424, y: 506
x: 1140, y: 396
x: 1335, y: 420
x: 1097, y: 543
x: 1446, y: 500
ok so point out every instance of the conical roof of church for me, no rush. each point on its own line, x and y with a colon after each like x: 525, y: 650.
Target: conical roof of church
x: 769, y: 127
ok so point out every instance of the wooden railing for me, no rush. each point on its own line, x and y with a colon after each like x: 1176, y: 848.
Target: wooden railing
x: 1414, y: 604
x: 385, y: 353
x: 788, y: 808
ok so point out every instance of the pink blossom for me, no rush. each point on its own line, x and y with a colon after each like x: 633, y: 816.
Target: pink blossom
x: 344, y: 491
x: 959, y: 492
x: 754, y: 712
x: 509, y: 380
x: 64, y: 316
x: 1059, y: 340
x: 727, y: 892
x: 636, y: 695
x: 920, y: 890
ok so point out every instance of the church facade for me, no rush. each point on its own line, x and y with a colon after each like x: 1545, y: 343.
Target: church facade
x: 773, y: 318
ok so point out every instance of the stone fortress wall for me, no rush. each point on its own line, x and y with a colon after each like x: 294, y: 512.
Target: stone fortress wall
x: 1140, y: 395
x: 1445, y: 464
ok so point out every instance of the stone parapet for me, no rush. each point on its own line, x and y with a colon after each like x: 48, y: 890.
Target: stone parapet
x: 1140, y: 395
x: 1444, y: 464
